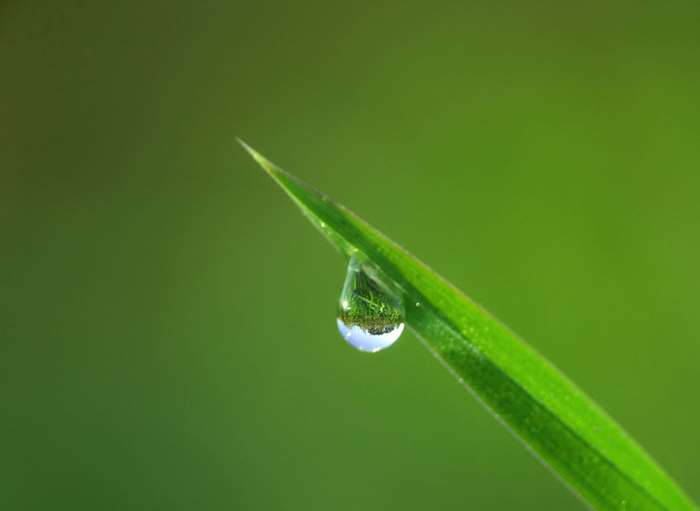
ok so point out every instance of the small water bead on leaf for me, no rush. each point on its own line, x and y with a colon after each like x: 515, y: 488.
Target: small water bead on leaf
x: 370, y: 315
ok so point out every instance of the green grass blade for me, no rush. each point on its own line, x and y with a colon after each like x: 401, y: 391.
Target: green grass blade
x: 552, y: 416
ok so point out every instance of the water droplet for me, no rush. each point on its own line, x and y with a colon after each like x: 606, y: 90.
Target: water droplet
x: 370, y: 315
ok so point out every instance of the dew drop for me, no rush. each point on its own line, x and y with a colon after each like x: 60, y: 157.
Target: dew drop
x: 370, y: 315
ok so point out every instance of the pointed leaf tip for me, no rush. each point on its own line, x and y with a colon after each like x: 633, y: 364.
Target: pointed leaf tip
x: 282, y: 177
x: 266, y: 164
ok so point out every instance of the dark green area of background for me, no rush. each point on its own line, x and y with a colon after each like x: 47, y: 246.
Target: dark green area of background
x: 167, y: 318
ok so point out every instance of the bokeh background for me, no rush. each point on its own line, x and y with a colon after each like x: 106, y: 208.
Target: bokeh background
x: 167, y: 317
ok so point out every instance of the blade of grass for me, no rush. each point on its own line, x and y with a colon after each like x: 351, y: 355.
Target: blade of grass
x: 553, y: 417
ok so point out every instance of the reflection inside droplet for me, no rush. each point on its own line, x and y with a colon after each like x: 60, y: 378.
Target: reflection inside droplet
x: 370, y: 314
x: 365, y: 341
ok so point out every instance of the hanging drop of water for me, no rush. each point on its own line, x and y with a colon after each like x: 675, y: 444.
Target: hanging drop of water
x: 370, y: 315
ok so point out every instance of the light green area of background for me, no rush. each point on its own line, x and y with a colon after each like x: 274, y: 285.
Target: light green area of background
x: 167, y: 333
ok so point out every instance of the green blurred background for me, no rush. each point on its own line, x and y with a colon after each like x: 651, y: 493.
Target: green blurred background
x: 167, y: 317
